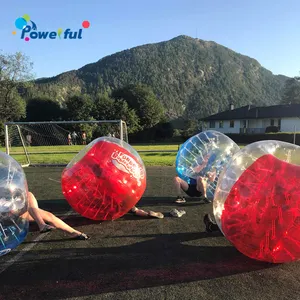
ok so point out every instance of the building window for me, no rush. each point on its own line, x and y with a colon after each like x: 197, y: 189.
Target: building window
x: 231, y: 123
x: 244, y: 123
x: 272, y: 122
x: 212, y: 124
x: 220, y: 124
x: 279, y: 124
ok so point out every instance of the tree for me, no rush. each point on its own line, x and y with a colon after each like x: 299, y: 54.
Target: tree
x: 164, y: 130
x: 79, y: 108
x: 15, y: 75
x: 191, y: 128
x: 44, y: 109
x: 103, y: 108
x: 201, y: 105
x: 291, y: 91
x: 142, y: 99
x: 127, y: 114
x: 106, y: 108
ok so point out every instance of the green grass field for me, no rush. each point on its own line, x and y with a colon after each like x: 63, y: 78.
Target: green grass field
x: 77, y: 148
x: 152, y: 155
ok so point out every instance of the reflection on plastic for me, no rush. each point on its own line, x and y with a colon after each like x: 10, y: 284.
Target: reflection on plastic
x: 13, y: 204
x: 205, y: 154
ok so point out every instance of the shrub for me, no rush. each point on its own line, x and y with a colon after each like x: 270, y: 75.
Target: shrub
x: 272, y: 129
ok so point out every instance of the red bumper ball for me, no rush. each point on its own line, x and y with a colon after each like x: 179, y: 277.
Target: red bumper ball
x: 105, y: 180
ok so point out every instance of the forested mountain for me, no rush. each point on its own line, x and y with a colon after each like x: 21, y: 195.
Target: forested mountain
x: 189, y: 76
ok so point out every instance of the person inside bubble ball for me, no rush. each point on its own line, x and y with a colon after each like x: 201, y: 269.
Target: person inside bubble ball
x: 197, y: 188
x: 194, y: 187
x: 42, y: 217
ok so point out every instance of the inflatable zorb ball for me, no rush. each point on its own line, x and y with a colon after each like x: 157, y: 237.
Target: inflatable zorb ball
x: 205, y: 155
x: 13, y: 204
x: 104, y: 180
x: 257, y: 201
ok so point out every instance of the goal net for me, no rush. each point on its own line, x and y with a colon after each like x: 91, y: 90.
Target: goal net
x: 56, y: 143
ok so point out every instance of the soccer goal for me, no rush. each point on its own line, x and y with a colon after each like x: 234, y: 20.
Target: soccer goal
x: 56, y: 143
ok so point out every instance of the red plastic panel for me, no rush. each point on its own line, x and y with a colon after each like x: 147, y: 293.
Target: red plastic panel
x: 106, y: 183
x: 261, y: 216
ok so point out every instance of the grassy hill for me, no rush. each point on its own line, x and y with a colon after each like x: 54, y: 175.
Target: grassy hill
x: 190, y: 77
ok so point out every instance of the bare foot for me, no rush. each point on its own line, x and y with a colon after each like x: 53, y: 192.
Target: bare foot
x: 46, y: 228
x: 139, y: 212
x: 154, y: 214
x: 80, y: 236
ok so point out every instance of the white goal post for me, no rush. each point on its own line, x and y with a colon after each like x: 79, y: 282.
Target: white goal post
x: 56, y: 142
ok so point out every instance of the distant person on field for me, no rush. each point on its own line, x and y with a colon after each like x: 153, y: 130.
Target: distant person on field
x: 83, y: 136
x: 28, y: 138
x: 74, y: 138
x: 42, y: 217
x: 69, y: 139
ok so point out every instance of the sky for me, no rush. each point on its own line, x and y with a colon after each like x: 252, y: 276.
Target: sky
x: 262, y: 29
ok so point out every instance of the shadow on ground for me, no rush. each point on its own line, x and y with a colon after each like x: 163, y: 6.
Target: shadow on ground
x: 159, y: 260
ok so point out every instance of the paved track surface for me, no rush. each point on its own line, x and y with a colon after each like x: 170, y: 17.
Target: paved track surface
x: 136, y: 258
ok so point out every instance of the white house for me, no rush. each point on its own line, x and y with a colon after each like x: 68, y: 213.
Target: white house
x: 252, y: 119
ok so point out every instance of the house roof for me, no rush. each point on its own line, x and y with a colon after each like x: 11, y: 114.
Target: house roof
x: 253, y: 112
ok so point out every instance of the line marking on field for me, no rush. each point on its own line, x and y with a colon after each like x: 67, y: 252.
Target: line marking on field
x: 22, y: 252
x: 54, y: 180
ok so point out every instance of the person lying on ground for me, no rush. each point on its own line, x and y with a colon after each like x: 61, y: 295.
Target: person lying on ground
x: 143, y: 213
x: 43, y: 217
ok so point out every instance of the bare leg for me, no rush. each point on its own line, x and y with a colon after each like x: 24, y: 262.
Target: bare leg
x: 58, y: 223
x: 41, y: 216
x: 142, y: 213
x: 139, y: 212
x: 27, y: 216
x: 202, y: 185
x: 33, y: 210
x: 180, y: 185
